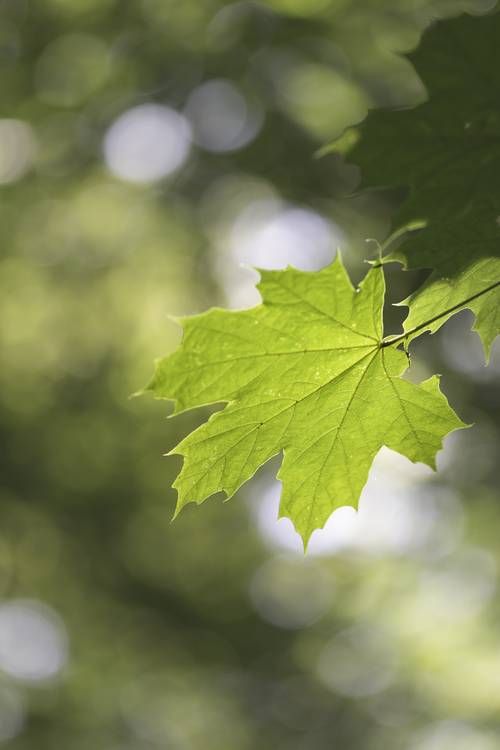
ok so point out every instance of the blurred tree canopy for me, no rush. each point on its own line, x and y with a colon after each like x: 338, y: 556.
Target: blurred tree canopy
x: 148, y: 148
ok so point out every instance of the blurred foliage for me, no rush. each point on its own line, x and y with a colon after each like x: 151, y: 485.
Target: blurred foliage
x: 119, y: 631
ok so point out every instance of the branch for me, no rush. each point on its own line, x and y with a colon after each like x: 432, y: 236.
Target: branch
x: 404, y: 336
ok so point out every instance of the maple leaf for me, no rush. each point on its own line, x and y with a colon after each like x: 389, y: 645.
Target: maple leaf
x: 447, y: 152
x: 308, y: 373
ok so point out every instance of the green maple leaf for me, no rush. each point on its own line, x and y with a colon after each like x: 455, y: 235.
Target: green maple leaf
x: 308, y: 373
x: 447, y: 152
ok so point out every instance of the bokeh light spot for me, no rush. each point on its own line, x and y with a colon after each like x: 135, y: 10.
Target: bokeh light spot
x: 291, y: 593
x: 221, y: 117
x: 357, y: 662
x: 147, y: 143
x: 17, y: 150
x: 454, y: 735
x: 399, y: 513
x: 70, y: 69
x: 12, y: 713
x: 269, y: 233
x: 33, y: 641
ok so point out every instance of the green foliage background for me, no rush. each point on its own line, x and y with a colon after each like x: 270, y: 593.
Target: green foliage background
x: 213, y: 633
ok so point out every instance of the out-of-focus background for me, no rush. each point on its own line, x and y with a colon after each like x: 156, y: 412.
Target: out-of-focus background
x: 148, y: 150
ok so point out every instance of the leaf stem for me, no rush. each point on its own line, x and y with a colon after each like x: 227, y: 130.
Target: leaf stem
x: 404, y: 336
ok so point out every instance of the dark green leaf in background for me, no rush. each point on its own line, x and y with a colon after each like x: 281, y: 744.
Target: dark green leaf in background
x: 447, y: 153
